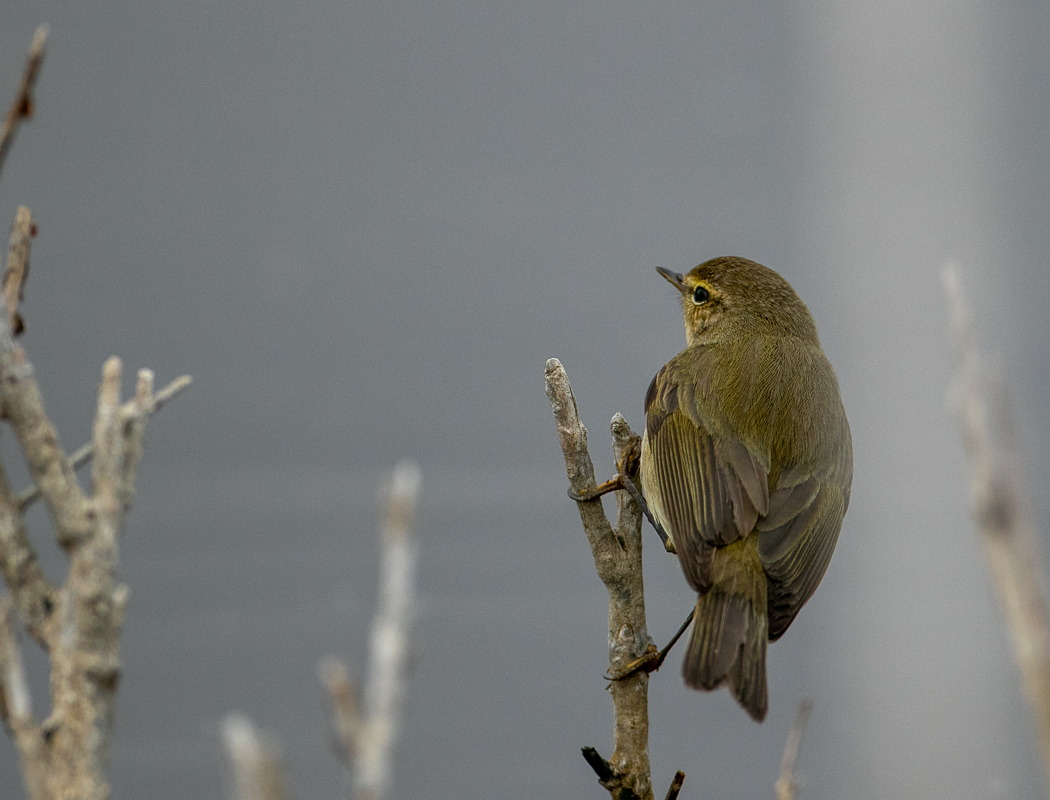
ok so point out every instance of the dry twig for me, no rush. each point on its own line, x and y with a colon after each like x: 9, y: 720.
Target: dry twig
x: 13, y: 284
x: 365, y: 737
x: 130, y: 410
x: 787, y: 785
x: 676, y: 786
x: 256, y: 761
x: 1003, y: 511
x: 617, y: 555
x: 78, y: 624
x: 22, y: 107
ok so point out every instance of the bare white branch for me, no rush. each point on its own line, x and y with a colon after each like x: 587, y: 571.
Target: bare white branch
x: 787, y: 784
x: 16, y: 708
x: 255, y: 759
x: 128, y: 411
x: 391, y: 639
x: 1003, y: 510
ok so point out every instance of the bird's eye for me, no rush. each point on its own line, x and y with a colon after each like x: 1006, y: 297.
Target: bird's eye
x: 700, y: 295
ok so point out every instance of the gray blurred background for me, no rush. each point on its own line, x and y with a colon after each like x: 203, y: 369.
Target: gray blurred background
x: 364, y: 227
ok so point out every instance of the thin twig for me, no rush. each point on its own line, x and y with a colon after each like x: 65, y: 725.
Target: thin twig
x: 34, y: 595
x: 347, y: 718
x: 86, y: 452
x: 23, y: 407
x: 617, y: 553
x: 22, y: 107
x: 1003, y: 511
x: 14, y: 281
x: 365, y: 739
x: 16, y: 707
x: 255, y: 759
x: 787, y: 785
x: 602, y: 768
x: 676, y: 786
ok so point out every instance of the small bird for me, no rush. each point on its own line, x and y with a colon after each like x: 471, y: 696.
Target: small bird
x: 746, y: 463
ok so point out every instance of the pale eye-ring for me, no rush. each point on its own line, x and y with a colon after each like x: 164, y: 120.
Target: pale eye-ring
x: 700, y: 295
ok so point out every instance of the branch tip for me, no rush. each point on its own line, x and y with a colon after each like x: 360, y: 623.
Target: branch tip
x: 676, y: 786
x: 787, y: 785
x: 22, y: 106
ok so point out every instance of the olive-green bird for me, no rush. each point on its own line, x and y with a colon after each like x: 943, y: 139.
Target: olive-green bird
x: 746, y: 463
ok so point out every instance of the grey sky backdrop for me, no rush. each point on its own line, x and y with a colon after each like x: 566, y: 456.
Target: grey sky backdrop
x: 363, y: 227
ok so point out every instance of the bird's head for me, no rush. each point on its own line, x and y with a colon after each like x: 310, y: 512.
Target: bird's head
x: 731, y: 298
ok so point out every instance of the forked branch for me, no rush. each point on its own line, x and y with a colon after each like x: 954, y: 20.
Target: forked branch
x: 617, y: 552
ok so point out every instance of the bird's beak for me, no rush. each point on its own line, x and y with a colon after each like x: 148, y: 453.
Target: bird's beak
x: 673, y: 278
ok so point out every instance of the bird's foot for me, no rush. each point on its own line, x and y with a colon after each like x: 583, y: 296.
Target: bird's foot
x: 650, y: 662
x: 618, y: 482
x: 614, y: 484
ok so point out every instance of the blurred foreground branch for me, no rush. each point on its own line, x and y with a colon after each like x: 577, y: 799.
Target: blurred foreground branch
x: 365, y: 737
x: 364, y: 732
x: 617, y: 555
x: 1003, y: 510
x: 787, y: 784
x: 255, y: 758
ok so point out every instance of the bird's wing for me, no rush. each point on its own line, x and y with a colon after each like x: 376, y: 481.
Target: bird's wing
x: 795, y: 543
x: 798, y: 534
x: 712, y: 488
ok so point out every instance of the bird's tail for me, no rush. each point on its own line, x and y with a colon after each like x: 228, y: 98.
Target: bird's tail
x: 728, y: 646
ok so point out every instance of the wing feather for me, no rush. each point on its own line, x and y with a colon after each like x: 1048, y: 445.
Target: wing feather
x: 796, y: 555
x: 702, y: 495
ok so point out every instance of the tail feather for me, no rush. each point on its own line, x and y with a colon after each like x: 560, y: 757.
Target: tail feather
x: 728, y: 646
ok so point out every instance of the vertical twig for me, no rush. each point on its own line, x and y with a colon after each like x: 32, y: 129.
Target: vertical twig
x: 365, y: 737
x: 17, y: 271
x: 1003, y: 512
x: 618, y: 558
x: 22, y: 107
x: 16, y: 708
x: 34, y: 596
x: 787, y: 785
x: 347, y: 716
x: 255, y: 759
x: 23, y: 408
x: 676, y: 786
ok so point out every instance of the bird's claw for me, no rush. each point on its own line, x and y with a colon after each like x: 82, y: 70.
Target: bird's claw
x: 612, y: 485
x: 650, y: 662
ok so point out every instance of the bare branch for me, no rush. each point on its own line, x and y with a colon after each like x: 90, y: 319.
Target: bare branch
x: 391, y: 638
x: 129, y: 411
x: 1003, y: 511
x: 347, y: 718
x: 79, y: 624
x: 16, y: 708
x: 13, y: 285
x: 618, y: 558
x: 34, y: 596
x: 787, y: 786
x: 23, y: 407
x: 22, y: 107
x: 608, y: 558
x: 365, y: 739
x: 676, y: 786
x: 255, y: 759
